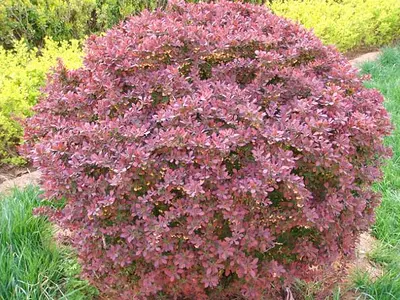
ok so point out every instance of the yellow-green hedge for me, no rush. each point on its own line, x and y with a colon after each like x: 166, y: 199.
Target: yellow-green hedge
x: 22, y: 73
x: 345, y: 23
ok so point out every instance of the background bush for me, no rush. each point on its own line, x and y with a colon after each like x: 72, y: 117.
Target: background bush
x: 346, y: 23
x: 33, y: 20
x: 207, y: 151
x: 22, y: 73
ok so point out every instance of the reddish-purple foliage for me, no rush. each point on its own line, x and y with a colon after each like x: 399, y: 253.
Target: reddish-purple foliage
x: 209, y: 148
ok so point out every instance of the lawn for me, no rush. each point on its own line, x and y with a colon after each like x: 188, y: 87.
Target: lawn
x: 32, y: 266
x: 385, y: 74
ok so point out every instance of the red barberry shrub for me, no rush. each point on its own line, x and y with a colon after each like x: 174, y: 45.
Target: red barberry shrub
x: 209, y: 149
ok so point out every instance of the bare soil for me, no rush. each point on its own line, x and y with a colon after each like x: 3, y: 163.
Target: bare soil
x: 8, y: 172
x: 350, y: 55
x: 19, y: 180
x: 365, y: 246
x: 365, y: 57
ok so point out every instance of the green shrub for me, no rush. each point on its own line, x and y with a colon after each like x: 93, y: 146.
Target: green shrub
x: 346, y: 23
x: 33, y: 20
x: 22, y: 72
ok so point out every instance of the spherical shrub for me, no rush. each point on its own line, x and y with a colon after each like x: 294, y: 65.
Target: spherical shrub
x: 209, y: 149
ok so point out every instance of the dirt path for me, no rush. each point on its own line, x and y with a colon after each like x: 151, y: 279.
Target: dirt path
x: 365, y: 57
x: 20, y: 182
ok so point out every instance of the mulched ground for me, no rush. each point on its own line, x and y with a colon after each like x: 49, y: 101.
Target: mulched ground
x: 8, y: 172
x: 359, y: 52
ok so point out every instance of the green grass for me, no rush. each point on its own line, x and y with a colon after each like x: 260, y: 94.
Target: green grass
x: 385, y: 74
x: 32, y: 266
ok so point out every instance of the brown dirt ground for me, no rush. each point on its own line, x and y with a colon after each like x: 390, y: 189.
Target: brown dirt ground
x: 24, y: 179
x: 365, y: 57
x: 360, y: 52
x: 8, y: 172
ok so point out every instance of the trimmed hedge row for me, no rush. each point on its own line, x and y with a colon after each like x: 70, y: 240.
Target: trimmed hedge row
x: 33, y: 20
x: 346, y: 23
x: 22, y: 73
